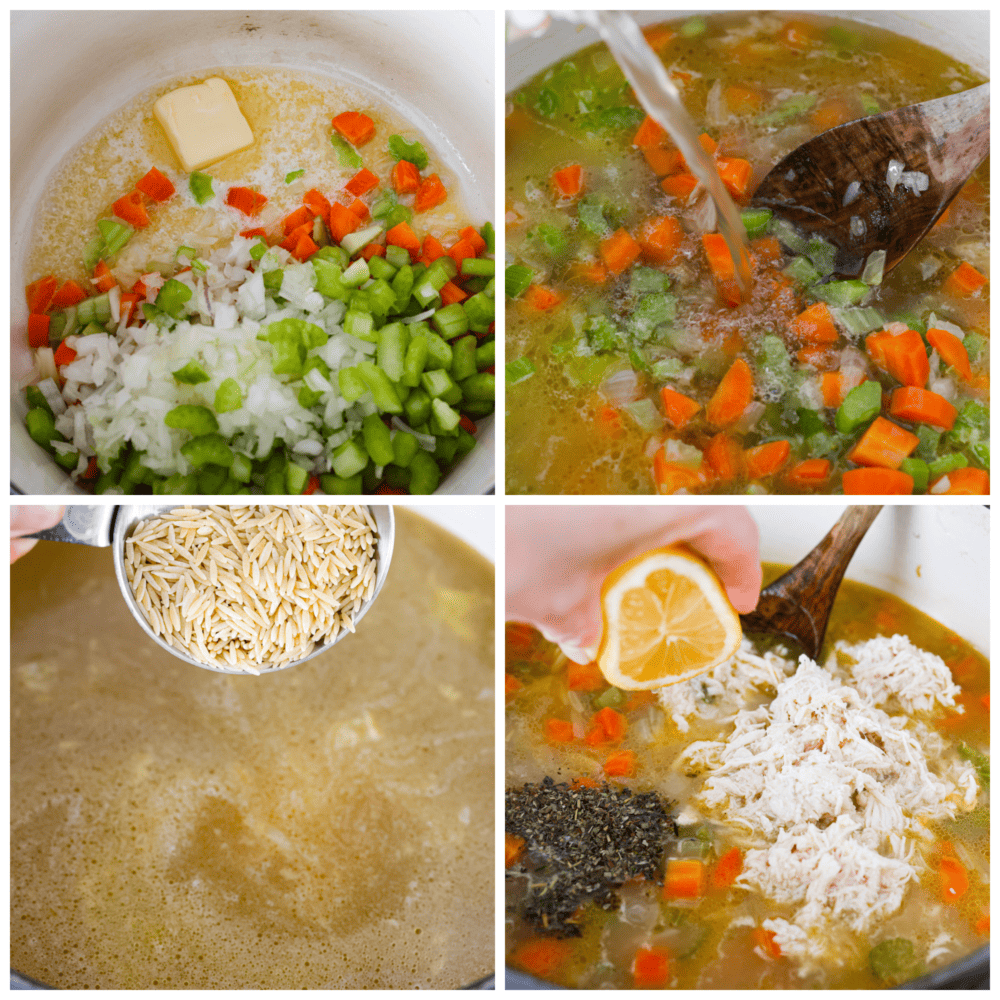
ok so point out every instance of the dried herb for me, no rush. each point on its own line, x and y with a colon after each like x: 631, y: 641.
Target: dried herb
x: 584, y: 843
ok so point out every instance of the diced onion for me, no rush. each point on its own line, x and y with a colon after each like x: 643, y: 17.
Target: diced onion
x: 621, y: 388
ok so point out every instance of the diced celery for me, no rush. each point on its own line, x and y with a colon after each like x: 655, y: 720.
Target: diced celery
x: 353, y: 242
x: 858, y: 322
x: 790, y: 108
x: 801, y: 270
x: 946, y: 463
x: 643, y: 280
x: 424, y: 474
x: 228, y: 396
x: 930, y: 441
x: 874, y: 266
x: 862, y: 403
x: 241, y: 467
x: 918, y: 469
x: 357, y: 274
x: 517, y: 277
x: 347, y: 155
x: 349, y: 459
x: 645, y: 414
x: 822, y: 254
x: 756, y: 221
x: 518, y: 370
x: 841, y: 293
x: 418, y: 408
x: 788, y: 235
x: 115, y: 235
x: 380, y: 268
x: 200, y: 186
x: 971, y: 425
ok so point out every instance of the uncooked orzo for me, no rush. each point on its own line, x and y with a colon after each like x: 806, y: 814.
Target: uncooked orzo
x: 252, y: 588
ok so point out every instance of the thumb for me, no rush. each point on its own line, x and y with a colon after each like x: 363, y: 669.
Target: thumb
x: 28, y: 520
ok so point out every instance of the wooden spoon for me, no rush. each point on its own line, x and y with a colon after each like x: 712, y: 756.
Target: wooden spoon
x: 797, y: 605
x: 945, y: 139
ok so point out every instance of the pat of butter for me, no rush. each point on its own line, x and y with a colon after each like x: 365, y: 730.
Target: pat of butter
x: 203, y: 122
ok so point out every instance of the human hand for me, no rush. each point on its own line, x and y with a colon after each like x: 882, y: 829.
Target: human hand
x: 26, y: 521
x: 557, y: 558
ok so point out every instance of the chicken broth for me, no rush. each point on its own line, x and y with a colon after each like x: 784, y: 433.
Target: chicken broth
x: 328, y: 827
x: 614, y: 359
x: 715, y: 938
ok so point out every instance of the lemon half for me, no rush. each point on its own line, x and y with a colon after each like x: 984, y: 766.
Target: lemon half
x: 666, y: 618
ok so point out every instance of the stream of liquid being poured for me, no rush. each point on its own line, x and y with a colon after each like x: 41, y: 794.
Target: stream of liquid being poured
x: 658, y: 95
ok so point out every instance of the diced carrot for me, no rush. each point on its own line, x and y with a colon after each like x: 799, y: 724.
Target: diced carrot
x: 432, y: 249
x: 568, y: 182
x: 798, y: 34
x: 591, y: 271
x: 985, y: 701
x: 723, y: 270
x: 305, y: 247
x: 651, y: 134
x: 300, y: 217
x: 657, y: 36
x: 362, y: 182
x: 607, y: 726
x: 39, y: 293
x: 810, y: 472
x: 558, y: 731
x: 685, y: 879
x: 355, y: 127
x: 639, y: 699
x: 105, y: 280
x: 766, y: 249
x: 724, y: 456
x: 154, y: 185
x: 902, y: 355
x: 619, y: 251
x: 815, y: 325
x: 830, y: 113
x: 766, y: 459
x: 883, y: 444
x: 255, y: 233
x: 877, y: 482
x: 664, y: 162
x: 620, y: 764
x: 735, y: 174
x: 373, y: 250
x: 542, y: 957
x: 964, y: 280
x: 471, y: 234
x: 679, y: 408
x: 131, y: 208
x: 402, y: 235
x: 584, y: 677
x: 511, y: 685
x: 245, y: 200
x: 405, y: 178
x: 708, y: 144
x: 727, y: 869
x: 982, y: 925
x: 943, y: 219
x: 651, y: 968
x: 64, y: 354
x: 965, y: 482
x: 680, y: 186
x: 513, y: 848
x: 451, y: 293
x: 922, y: 406
x: 584, y: 783
x: 732, y: 396
x: 69, y: 295
x: 462, y: 250
x: 951, y: 351
x: 128, y: 304
x: 359, y: 208
x: 316, y: 202
x: 742, y: 100
x: 765, y: 943
x: 291, y: 240
x: 519, y: 636
x: 672, y: 477
x: 832, y: 385
x: 430, y: 194
x: 954, y: 880
x: 38, y: 330
x: 542, y: 298
x: 818, y: 356
x: 610, y: 421
x: 660, y: 239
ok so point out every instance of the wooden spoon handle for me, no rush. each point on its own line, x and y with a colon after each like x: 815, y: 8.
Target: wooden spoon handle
x: 798, y: 603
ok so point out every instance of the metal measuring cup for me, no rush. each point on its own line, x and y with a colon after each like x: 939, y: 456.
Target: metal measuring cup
x: 110, y: 524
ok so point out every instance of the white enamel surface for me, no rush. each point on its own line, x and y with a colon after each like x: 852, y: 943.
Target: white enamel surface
x: 935, y: 558
x: 399, y: 56
x: 474, y: 524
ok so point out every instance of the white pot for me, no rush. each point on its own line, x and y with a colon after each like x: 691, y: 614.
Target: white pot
x: 963, y: 34
x: 436, y: 69
x: 934, y: 558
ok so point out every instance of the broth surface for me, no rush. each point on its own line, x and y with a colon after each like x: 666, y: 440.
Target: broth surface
x: 325, y: 827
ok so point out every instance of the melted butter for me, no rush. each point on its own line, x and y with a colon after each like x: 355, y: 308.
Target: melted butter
x: 329, y: 826
x: 289, y: 114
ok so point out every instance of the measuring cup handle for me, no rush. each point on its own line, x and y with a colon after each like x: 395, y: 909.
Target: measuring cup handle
x: 82, y: 524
